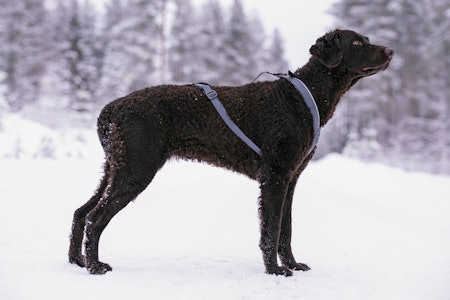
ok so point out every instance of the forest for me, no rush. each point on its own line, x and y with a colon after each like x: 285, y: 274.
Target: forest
x: 72, y: 52
x: 401, y: 116
x: 64, y: 59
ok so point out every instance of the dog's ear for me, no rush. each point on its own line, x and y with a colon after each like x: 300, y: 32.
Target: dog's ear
x: 327, y: 49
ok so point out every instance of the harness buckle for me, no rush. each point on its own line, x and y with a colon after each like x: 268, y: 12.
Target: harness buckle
x: 211, y: 94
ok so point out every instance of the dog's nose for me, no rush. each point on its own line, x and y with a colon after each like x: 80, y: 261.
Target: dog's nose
x: 389, y: 52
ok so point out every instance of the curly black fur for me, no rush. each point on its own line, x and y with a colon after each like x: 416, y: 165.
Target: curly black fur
x: 141, y: 131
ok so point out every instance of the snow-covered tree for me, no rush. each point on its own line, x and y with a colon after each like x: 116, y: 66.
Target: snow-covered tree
x: 67, y: 57
x: 219, y: 49
x: 362, y: 107
x: 247, y: 51
x: 211, y: 43
x: 77, y: 53
x: 239, y: 52
x: 276, y: 61
x: 258, y: 43
x: 185, y: 45
x: 22, y: 53
x: 400, y: 112
x: 132, y: 32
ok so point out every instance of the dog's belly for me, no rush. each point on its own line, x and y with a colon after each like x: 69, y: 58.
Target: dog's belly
x: 218, y: 155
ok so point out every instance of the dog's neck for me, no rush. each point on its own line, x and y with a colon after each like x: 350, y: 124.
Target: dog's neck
x: 326, y: 85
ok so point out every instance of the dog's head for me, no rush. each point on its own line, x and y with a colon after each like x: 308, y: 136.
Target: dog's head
x: 352, y: 52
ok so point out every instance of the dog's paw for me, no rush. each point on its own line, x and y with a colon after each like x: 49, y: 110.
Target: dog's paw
x: 300, y: 267
x: 98, y: 268
x: 78, y: 260
x: 280, y: 271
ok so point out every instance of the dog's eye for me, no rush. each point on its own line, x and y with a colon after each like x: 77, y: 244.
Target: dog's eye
x: 357, y: 43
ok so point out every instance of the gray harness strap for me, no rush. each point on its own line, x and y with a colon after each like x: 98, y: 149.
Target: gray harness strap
x: 297, y: 83
x: 309, y: 101
x: 212, y: 95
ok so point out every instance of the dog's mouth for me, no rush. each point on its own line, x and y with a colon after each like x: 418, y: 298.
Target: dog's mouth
x: 373, y: 70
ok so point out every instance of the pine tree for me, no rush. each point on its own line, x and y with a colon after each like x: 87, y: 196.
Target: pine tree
x: 402, y: 109
x: 22, y: 54
x: 363, y: 113
x: 76, y: 46
x: 132, y: 32
x: 185, y: 48
x: 208, y: 48
x: 257, y: 43
x: 211, y: 43
x: 239, y: 51
x: 431, y: 121
x: 275, y: 59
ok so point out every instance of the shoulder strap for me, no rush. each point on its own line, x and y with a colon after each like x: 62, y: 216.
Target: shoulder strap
x: 213, y: 97
x: 309, y: 101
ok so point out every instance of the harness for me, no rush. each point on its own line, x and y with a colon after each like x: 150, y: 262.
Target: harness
x: 297, y: 83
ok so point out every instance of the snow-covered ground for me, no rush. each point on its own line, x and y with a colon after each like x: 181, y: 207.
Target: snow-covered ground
x: 366, y: 230
x: 22, y: 138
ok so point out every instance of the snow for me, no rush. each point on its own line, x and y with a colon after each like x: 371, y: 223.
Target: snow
x: 367, y: 231
x: 21, y: 138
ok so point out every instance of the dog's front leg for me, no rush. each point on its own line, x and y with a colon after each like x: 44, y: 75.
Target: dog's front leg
x: 284, y: 248
x: 273, y: 193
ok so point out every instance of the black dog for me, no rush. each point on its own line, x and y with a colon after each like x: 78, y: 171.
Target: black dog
x: 141, y: 131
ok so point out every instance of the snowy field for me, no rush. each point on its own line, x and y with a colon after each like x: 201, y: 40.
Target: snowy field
x: 366, y: 230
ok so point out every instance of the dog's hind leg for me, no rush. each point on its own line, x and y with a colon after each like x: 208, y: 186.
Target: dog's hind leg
x: 284, y: 248
x: 133, y: 167
x: 116, y: 198
x: 78, y: 223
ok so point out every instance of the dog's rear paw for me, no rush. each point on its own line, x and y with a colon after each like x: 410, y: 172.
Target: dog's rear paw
x: 280, y: 271
x: 98, y: 268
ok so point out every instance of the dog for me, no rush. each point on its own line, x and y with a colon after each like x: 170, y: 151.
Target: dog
x: 141, y: 131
